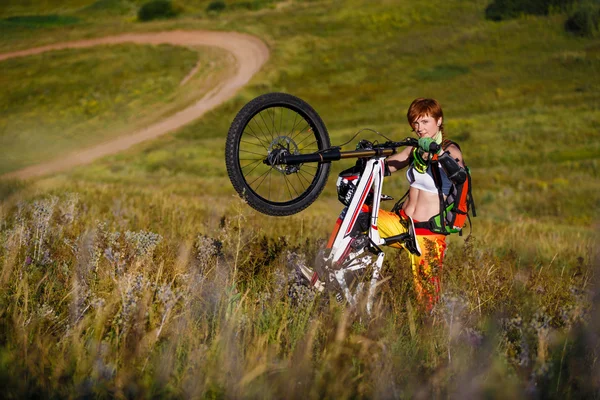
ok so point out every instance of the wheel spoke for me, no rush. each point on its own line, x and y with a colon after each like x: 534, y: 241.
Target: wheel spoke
x: 260, y: 114
x: 301, y: 131
x: 288, y: 184
x: 254, y: 144
x: 301, y: 176
x: 281, y: 119
x: 263, y: 176
x: 270, y: 176
x: 309, y: 165
x: 263, y: 156
x: 247, y: 165
x: 272, y: 115
x: 256, y: 135
x: 306, y: 146
x: 294, y: 125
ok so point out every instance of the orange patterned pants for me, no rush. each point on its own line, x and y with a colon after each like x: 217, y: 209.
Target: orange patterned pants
x: 427, y: 268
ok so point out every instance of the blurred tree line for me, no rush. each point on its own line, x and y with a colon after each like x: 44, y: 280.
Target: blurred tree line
x: 583, y: 15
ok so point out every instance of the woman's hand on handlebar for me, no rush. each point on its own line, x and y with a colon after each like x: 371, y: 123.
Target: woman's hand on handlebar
x: 428, y: 145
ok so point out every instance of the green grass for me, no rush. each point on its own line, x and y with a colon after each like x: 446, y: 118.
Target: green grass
x: 59, y: 102
x: 33, y: 7
x: 441, y: 72
x: 517, y: 319
x: 170, y: 296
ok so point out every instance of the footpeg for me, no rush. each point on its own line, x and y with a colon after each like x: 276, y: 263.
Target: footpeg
x: 411, y: 242
x: 408, y: 239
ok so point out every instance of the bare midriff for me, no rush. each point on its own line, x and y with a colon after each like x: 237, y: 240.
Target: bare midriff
x: 421, y: 205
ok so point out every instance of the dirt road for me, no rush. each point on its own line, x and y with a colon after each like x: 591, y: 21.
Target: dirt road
x: 249, y: 52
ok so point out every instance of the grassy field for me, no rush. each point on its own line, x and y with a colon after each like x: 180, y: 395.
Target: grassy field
x: 58, y: 102
x: 143, y: 274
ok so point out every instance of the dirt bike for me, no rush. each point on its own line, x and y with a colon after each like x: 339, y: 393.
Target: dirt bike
x: 278, y: 157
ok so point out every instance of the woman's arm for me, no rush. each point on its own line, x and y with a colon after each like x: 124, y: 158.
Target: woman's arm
x: 399, y: 160
x: 452, y: 163
x: 456, y: 154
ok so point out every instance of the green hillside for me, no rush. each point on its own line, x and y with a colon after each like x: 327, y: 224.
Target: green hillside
x: 143, y: 274
x: 57, y: 102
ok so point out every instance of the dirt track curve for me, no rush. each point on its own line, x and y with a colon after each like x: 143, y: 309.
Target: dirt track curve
x: 250, y: 54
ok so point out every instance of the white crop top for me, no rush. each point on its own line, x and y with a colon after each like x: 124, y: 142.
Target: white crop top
x: 425, y: 181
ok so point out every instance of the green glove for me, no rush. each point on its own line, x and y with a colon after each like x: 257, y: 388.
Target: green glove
x: 425, y: 142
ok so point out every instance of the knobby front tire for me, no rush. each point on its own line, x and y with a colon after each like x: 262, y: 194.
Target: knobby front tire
x: 276, y: 121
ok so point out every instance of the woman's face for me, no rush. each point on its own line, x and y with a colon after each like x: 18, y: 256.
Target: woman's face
x: 426, y: 126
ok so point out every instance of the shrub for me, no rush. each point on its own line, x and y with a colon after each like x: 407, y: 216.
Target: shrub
x: 108, y: 7
x: 41, y: 21
x: 156, y: 9
x: 252, y: 5
x: 584, y: 20
x: 246, y: 5
x: 216, y: 6
x: 499, y: 10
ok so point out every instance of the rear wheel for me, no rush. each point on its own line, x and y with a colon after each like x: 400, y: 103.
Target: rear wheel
x: 276, y: 122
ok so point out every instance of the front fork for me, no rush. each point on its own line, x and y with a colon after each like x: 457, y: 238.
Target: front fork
x: 347, y: 255
x: 353, y: 297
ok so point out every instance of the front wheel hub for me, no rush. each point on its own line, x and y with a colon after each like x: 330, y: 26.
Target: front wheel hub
x: 283, y: 146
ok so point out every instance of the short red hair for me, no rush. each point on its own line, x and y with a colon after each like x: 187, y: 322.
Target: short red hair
x: 421, y: 107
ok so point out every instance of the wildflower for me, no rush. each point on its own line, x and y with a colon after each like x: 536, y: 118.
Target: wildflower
x: 167, y: 297
x: 280, y: 281
x: 97, y: 303
x: 67, y: 208
x: 302, y: 296
x: 42, y: 211
x: 131, y: 291
x: 143, y: 243
x: 206, y: 250
x: 46, y: 312
x: 513, y: 331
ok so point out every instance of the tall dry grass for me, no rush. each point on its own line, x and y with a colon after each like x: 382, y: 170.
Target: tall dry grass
x: 92, y: 308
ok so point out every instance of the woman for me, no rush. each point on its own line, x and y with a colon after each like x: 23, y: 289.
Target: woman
x: 425, y: 116
x: 423, y: 203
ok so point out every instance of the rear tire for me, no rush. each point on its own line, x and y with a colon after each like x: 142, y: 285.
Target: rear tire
x: 276, y: 121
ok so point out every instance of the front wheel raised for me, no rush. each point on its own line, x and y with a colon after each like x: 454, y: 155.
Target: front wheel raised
x: 276, y: 122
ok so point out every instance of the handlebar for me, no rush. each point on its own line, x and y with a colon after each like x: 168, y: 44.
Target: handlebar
x: 433, y: 147
x: 282, y: 156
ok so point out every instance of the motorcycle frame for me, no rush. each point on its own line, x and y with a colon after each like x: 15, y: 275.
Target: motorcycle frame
x: 342, y: 237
